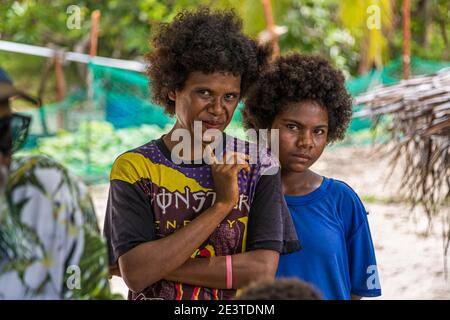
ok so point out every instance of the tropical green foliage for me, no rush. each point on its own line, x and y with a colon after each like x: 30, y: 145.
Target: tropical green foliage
x: 336, y: 29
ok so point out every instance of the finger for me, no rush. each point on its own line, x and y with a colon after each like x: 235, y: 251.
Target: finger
x: 211, y: 155
x: 242, y: 158
x: 239, y: 167
x: 230, y: 158
x: 236, y: 158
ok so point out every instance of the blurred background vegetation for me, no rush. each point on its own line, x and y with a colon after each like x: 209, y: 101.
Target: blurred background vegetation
x: 335, y: 29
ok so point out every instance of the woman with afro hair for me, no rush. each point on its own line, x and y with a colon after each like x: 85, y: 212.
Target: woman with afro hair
x: 304, y: 98
x: 179, y: 226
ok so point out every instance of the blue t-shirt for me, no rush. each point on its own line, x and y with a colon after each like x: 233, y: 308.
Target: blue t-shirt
x: 338, y: 256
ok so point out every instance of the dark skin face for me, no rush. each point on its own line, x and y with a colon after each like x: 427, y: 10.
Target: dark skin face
x: 210, y: 98
x: 303, y: 130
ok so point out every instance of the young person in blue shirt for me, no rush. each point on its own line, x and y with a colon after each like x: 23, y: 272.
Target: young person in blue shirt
x: 304, y: 97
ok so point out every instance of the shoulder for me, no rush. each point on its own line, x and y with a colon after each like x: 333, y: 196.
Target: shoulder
x: 141, y: 151
x: 47, y: 175
x: 42, y: 171
x: 132, y: 165
x: 348, y: 205
x: 341, y: 190
x: 347, y: 201
x: 44, y: 183
x: 20, y: 164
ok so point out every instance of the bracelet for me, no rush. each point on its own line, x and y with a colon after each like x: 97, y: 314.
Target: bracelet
x: 229, y: 272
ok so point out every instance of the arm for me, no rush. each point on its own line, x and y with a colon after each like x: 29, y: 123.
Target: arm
x: 114, y: 271
x: 211, y: 272
x: 265, y: 238
x: 151, y: 261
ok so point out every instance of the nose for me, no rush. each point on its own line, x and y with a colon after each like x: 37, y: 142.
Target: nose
x: 305, y: 140
x: 215, y: 107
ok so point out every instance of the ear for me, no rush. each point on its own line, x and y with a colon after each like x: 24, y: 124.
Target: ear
x: 172, y: 95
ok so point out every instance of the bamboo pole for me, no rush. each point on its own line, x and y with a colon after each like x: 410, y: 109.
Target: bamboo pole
x: 60, y: 86
x: 271, y: 28
x: 406, y: 40
x: 71, y: 56
x: 95, y: 21
x: 40, y: 93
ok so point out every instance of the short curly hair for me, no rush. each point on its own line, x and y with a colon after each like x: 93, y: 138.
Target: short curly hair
x: 295, y: 78
x: 202, y: 40
x: 280, y: 289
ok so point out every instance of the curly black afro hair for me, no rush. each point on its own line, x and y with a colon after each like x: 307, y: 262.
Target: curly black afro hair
x: 202, y: 40
x: 295, y: 78
x: 280, y: 289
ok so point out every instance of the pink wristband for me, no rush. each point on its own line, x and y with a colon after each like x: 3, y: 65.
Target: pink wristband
x: 229, y: 272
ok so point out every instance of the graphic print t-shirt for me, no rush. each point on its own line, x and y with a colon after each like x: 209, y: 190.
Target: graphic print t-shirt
x: 151, y: 197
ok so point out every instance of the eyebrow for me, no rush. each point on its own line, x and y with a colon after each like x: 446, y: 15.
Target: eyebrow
x: 302, y: 125
x: 210, y: 89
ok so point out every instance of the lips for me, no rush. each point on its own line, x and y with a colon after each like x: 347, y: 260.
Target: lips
x: 302, y: 157
x: 212, y: 124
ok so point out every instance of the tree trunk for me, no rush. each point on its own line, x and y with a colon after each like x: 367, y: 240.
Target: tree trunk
x: 446, y: 54
x: 424, y: 14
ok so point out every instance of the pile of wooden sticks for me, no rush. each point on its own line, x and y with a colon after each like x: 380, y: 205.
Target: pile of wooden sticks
x: 420, y: 128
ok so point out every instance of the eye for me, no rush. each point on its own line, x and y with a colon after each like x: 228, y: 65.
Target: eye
x: 319, y: 132
x: 204, y: 93
x: 231, y: 97
x: 292, y: 126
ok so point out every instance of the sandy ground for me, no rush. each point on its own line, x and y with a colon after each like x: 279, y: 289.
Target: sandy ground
x: 411, y: 265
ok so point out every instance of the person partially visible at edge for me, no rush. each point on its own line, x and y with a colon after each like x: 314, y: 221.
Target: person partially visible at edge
x: 197, y: 230
x: 50, y: 245
x: 279, y: 289
x: 304, y: 97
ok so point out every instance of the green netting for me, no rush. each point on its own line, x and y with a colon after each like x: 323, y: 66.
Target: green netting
x: 390, y: 74
x: 88, y: 130
x: 125, y: 96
